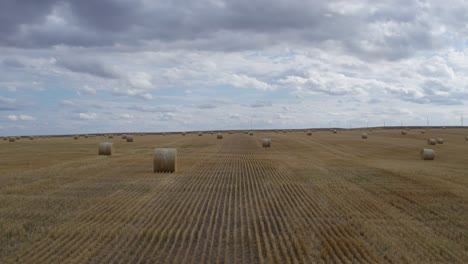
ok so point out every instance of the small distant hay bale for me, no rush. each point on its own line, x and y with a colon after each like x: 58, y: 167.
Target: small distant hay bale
x: 129, y: 138
x: 200, y: 134
x: 334, y: 131
x: 124, y: 136
x: 219, y: 136
x: 183, y: 133
x: 12, y: 139
x: 165, y: 160
x: 250, y: 133
x: 18, y: 138
x: 403, y: 132
x: 466, y: 138
x: 431, y: 141
x: 31, y: 138
x: 5, y: 139
x: 440, y: 141
x: 422, y: 132
x: 76, y: 137
x: 266, y: 142
x: 364, y: 136
x: 86, y: 136
x: 427, y: 154
x: 407, y: 129
x: 105, y: 148
x: 110, y: 136
x: 309, y: 133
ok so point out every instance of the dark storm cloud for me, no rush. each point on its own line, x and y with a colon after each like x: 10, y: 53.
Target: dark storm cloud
x: 14, y: 13
x: 88, y: 66
x: 391, y: 29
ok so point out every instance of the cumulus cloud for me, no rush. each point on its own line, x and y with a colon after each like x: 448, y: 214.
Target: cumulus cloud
x: 86, y: 90
x: 140, y: 80
x: 124, y: 116
x: 358, y: 56
x: 136, y: 93
x: 244, y: 81
x: 67, y: 102
x: 87, y: 116
x: 20, y: 118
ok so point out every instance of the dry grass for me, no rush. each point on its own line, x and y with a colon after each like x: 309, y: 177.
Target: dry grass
x: 309, y: 199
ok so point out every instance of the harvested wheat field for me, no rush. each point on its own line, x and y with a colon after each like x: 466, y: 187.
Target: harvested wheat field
x: 324, y: 198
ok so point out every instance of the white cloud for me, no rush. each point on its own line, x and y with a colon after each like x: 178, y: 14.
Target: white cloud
x: 87, y: 116
x: 136, y: 93
x: 244, y: 81
x: 125, y: 116
x: 25, y: 118
x: 20, y: 118
x: 140, y: 80
x: 67, y: 102
x: 12, y: 117
x: 86, y: 90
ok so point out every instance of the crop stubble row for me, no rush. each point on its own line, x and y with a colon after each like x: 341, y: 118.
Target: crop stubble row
x: 245, y: 204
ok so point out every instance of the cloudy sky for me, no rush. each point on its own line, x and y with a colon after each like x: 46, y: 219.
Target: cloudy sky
x: 177, y: 65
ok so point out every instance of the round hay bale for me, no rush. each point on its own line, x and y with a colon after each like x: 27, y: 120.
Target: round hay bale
x: 266, y: 142
x: 110, y: 136
x: 309, y: 133
x: 334, y: 131
x: 31, y: 138
x: 165, y: 160
x: 466, y: 138
x: 129, y: 138
x: 124, y: 136
x: 12, y: 139
x: 422, y: 132
x: 5, y: 139
x: 183, y: 134
x: 250, y: 133
x: 200, y: 134
x: 431, y: 141
x: 407, y: 129
x: 75, y: 137
x: 219, y: 136
x: 440, y: 141
x: 105, y: 148
x: 427, y: 154
x: 403, y: 132
x: 364, y: 136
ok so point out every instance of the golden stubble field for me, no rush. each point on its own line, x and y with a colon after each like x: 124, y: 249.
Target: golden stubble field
x: 325, y: 198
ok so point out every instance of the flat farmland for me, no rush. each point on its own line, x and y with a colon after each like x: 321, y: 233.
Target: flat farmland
x: 324, y: 198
